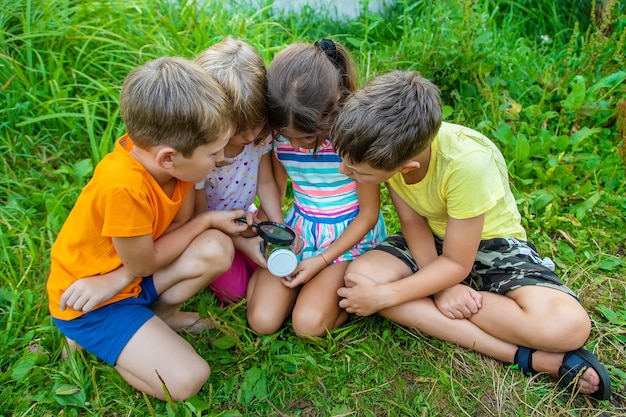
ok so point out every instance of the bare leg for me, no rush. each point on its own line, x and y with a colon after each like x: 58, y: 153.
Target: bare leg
x: 155, y: 347
x: 317, y: 307
x: 478, y: 332
x: 269, y: 302
x: 207, y: 257
x: 544, y: 318
x: 68, y: 349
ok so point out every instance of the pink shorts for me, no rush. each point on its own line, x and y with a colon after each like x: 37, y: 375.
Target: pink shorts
x: 232, y: 285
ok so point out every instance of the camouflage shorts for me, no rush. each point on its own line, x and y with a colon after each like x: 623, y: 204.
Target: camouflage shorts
x: 501, y: 265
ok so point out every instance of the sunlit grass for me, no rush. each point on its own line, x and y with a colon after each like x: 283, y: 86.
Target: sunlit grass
x: 550, y: 102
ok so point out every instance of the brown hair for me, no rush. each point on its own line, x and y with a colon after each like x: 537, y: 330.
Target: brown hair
x: 241, y: 72
x: 391, y: 120
x: 172, y: 101
x: 307, y: 84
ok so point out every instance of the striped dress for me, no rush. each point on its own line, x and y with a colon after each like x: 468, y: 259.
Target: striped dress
x: 325, y: 200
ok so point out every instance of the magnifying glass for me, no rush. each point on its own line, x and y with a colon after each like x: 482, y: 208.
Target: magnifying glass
x: 276, y: 246
x: 273, y: 232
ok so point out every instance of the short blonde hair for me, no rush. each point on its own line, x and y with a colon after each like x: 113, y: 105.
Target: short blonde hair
x: 172, y: 101
x: 241, y: 72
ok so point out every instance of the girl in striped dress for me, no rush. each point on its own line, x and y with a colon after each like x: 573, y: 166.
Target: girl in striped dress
x: 335, y: 218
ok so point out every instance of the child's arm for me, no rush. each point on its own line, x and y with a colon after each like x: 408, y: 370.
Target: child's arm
x: 369, y: 209
x: 437, y: 273
x: 185, y: 213
x: 141, y: 256
x: 270, y: 195
x: 415, y: 231
x: 251, y: 246
x: 280, y: 176
x: 201, y: 204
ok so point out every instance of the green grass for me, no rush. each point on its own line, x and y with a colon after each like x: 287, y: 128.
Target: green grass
x: 546, y: 80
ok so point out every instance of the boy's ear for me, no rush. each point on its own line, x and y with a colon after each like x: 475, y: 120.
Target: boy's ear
x: 409, y: 166
x: 165, y: 157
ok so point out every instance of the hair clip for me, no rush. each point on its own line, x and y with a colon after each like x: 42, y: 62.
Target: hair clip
x: 330, y: 50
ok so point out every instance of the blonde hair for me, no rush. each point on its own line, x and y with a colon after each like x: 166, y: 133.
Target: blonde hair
x: 307, y: 84
x: 241, y: 72
x: 172, y: 101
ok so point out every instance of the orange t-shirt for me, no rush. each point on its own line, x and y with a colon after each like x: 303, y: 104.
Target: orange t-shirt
x: 122, y: 199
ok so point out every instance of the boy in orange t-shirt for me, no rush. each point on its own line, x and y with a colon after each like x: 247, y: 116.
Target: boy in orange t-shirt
x: 130, y: 252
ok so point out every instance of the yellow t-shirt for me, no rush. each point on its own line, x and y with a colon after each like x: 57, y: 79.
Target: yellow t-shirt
x: 467, y: 176
x: 122, y: 199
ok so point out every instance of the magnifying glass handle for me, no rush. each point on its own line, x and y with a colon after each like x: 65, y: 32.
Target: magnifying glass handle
x: 243, y: 220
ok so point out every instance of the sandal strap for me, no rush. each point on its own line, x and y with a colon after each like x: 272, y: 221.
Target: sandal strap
x: 524, y: 360
x: 575, y: 363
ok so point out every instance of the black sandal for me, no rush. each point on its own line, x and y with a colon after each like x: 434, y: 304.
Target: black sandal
x: 574, y: 364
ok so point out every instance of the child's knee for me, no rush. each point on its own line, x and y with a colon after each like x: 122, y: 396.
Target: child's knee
x: 215, y: 250
x: 263, y: 321
x: 189, y: 381
x: 570, y: 331
x: 566, y: 327
x: 309, y: 322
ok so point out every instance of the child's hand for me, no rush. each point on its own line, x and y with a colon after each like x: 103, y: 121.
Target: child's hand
x: 252, y: 248
x: 87, y: 293
x: 458, y: 301
x: 226, y: 221
x: 362, y: 295
x: 304, y: 272
x: 298, y: 244
x: 250, y: 231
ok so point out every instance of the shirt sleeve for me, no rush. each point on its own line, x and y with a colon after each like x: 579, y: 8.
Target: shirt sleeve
x: 473, y: 185
x: 127, y: 213
x: 200, y: 184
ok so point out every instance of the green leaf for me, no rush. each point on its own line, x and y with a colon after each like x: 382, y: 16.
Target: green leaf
x: 225, y: 342
x: 65, y: 390
x: 609, y: 81
x: 583, y: 134
x: 25, y: 365
x: 609, y: 264
x: 522, y: 148
x: 197, y: 405
x: 82, y: 169
x: 576, y: 97
x: 69, y: 395
x: 618, y: 318
x: 504, y: 134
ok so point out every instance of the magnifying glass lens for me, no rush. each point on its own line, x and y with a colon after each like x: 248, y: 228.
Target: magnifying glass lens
x: 275, y: 232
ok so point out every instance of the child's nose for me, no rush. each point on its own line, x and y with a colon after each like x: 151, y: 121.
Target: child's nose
x: 249, y: 135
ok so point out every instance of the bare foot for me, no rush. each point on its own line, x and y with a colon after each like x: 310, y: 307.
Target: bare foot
x: 71, y: 345
x: 587, y: 383
x: 190, y: 322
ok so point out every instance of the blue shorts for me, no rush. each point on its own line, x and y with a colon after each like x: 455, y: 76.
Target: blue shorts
x: 105, y: 331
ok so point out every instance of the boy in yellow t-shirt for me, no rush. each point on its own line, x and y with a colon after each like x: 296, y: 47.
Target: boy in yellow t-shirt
x: 130, y: 253
x: 461, y: 269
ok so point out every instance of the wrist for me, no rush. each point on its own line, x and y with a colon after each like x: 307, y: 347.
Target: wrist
x: 389, y: 298
x: 207, y: 221
x: 321, y: 255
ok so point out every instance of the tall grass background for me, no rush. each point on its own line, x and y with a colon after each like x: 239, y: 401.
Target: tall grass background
x: 546, y: 80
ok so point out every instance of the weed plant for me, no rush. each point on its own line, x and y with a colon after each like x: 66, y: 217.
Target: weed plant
x: 546, y: 80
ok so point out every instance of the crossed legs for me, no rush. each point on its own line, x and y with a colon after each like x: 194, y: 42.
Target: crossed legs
x: 537, y: 317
